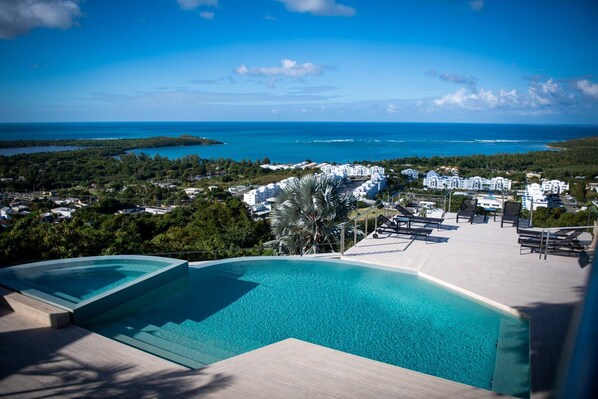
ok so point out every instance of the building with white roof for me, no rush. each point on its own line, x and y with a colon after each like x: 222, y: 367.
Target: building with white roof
x: 371, y: 187
x: 554, y: 186
x: 410, y: 174
x: 348, y: 170
x: 476, y: 183
x: 261, y: 194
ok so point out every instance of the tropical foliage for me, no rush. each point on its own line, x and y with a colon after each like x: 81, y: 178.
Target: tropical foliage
x: 307, y: 214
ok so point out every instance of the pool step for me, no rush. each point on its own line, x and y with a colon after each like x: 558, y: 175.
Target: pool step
x: 175, y: 352
x: 512, y: 350
x: 200, y: 350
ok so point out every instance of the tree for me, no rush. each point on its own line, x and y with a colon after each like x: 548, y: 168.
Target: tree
x: 307, y: 214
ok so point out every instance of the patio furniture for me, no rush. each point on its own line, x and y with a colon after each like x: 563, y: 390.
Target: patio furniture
x: 385, y: 225
x: 468, y: 210
x: 418, y: 219
x: 510, y: 213
x: 561, y: 242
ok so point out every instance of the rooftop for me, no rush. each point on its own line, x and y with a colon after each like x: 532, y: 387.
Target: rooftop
x: 480, y: 259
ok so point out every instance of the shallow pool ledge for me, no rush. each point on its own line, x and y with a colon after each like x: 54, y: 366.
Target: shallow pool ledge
x: 40, y: 312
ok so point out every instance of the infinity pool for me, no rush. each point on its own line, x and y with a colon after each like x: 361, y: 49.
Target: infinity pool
x: 232, y: 307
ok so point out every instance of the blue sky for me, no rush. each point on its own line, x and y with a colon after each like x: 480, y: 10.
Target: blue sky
x: 503, y: 61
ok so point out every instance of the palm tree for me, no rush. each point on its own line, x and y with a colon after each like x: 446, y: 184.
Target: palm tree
x: 307, y: 213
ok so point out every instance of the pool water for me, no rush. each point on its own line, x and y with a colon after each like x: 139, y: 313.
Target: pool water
x: 77, y: 283
x: 230, y: 308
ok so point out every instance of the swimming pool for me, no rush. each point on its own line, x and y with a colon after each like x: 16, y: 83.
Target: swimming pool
x: 232, y: 307
x: 92, y: 285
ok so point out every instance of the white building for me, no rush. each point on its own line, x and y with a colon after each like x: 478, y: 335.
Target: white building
x: 477, y: 183
x: 158, y: 210
x: 371, y: 187
x: 534, y: 195
x: 554, y: 186
x: 351, y: 170
x: 64, y: 212
x: 261, y: 194
x: 410, y: 174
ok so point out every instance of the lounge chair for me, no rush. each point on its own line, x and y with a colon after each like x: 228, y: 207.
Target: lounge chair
x: 510, y: 213
x: 560, y: 243
x: 418, y: 219
x: 468, y: 209
x: 385, y: 225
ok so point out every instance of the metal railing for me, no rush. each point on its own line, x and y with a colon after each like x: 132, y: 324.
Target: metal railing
x: 545, y: 237
x: 386, y: 208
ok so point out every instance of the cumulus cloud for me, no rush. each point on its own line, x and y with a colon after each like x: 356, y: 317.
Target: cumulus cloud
x: 328, y: 8
x: 588, y: 88
x: 392, y: 108
x: 542, y: 96
x: 17, y: 17
x: 287, y: 68
x: 207, y: 15
x: 193, y: 4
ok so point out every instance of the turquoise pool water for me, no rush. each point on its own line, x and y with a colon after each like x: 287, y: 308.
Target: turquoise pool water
x: 231, y: 308
x: 80, y: 280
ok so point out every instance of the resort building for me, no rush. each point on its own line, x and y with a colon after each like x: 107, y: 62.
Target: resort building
x: 534, y: 197
x: 261, y: 194
x: 410, y: 174
x: 554, y: 186
x: 477, y: 183
x: 371, y: 187
x: 352, y: 170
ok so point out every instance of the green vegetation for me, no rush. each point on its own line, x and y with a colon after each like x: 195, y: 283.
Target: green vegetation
x: 207, y: 224
x: 307, y: 213
x: 105, y: 176
x: 119, y: 145
x: 579, y: 158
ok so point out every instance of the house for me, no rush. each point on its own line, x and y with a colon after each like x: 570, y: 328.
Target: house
x: 64, y: 212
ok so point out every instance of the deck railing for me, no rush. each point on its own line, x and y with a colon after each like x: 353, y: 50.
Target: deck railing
x: 546, y: 232
x: 368, y: 217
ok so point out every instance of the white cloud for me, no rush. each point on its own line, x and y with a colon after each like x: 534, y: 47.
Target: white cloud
x: 481, y: 99
x: 18, y: 17
x: 547, y: 93
x: 542, y: 97
x: 207, y: 15
x: 193, y: 4
x: 476, y: 5
x: 288, y: 68
x: 319, y: 7
x: 391, y: 108
x: 588, y: 88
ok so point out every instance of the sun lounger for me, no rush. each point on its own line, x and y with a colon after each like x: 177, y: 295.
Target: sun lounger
x: 418, y: 219
x: 560, y: 243
x: 468, y: 210
x: 385, y: 225
x: 510, y: 213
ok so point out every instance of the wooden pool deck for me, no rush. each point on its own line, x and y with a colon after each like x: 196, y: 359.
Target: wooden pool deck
x: 482, y: 259
x: 40, y: 362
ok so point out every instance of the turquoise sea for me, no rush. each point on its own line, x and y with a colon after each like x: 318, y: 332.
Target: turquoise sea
x: 284, y: 142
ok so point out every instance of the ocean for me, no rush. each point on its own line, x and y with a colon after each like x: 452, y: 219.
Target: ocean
x: 291, y: 142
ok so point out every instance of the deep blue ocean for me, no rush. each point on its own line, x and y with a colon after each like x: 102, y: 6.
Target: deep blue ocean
x: 284, y: 142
